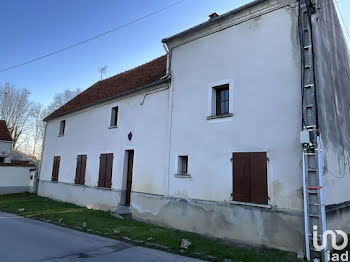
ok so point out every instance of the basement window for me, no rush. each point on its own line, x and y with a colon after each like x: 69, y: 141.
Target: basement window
x: 114, y: 117
x: 62, y: 128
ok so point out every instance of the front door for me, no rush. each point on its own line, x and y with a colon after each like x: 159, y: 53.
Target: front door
x: 129, y: 177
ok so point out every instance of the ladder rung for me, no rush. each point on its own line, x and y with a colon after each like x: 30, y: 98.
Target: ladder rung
x: 314, y: 187
x: 312, y: 191
x: 309, y: 86
x: 307, y: 46
x: 307, y: 66
x: 313, y: 215
x: 310, y: 154
x: 306, y: 29
x: 309, y: 106
x: 315, y: 250
x: 314, y: 204
x: 312, y: 170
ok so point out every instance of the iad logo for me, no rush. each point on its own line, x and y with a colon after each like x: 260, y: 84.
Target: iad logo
x: 332, y: 234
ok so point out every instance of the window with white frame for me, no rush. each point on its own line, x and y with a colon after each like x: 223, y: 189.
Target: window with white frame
x: 183, y: 166
x: 62, y: 128
x: 220, y: 99
x: 114, y: 117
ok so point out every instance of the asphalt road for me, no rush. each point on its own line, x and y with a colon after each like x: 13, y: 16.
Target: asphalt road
x: 29, y: 240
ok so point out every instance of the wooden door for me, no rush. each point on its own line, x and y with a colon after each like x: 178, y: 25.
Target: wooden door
x: 129, y: 177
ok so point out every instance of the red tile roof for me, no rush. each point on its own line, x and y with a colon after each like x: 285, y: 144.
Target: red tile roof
x: 4, y: 132
x: 125, y: 82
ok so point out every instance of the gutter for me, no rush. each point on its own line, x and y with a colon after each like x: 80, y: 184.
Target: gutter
x: 214, y: 20
x: 158, y: 82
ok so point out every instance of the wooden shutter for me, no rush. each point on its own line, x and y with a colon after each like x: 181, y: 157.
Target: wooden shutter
x: 240, y: 170
x: 102, y: 171
x: 258, y: 178
x: 80, y: 170
x: 83, y: 169
x: 109, y: 167
x: 55, y: 168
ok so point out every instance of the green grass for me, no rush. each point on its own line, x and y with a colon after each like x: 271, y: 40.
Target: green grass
x: 102, y: 223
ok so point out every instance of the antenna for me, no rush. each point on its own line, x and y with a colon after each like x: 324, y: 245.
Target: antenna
x: 102, y: 70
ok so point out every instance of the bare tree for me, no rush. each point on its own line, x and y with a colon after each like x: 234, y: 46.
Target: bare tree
x: 60, y: 99
x: 102, y: 70
x: 16, y: 109
x: 37, y: 129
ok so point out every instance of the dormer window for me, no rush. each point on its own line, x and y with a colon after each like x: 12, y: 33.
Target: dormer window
x: 62, y: 128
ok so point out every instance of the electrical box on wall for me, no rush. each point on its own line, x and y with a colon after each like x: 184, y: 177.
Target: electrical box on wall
x: 304, y: 137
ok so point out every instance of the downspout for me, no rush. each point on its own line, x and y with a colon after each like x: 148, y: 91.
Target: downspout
x: 168, y: 74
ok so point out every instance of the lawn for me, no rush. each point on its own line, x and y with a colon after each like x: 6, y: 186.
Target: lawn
x: 138, y: 233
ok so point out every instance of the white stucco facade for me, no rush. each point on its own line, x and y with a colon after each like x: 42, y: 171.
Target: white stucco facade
x: 256, y: 53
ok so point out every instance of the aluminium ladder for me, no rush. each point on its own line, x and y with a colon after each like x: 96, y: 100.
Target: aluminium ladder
x: 314, y: 209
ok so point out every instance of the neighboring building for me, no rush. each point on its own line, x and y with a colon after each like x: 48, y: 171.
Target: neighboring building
x: 5, y: 143
x: 18, y: 172
x: 207, y: 138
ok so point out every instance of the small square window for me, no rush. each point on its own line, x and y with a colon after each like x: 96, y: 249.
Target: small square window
x: 114, y: 117
x: 222, y: 100
x: 183, y: 165
x: 62, y: 128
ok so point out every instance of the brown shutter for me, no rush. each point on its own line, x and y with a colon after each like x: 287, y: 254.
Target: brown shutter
x: 78, y: 170
x: 83, y: 169
x: 102, y: 172
x: 240, y: 168
x: 109, y: 167
x: 258, y: 178
x: 55, y: 168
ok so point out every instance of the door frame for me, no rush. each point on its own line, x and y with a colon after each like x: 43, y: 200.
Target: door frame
x: 129, y: 155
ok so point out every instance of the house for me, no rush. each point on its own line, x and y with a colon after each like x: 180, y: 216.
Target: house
x: 18, y: 173
x: 211, y: 138
x: 5, y: 143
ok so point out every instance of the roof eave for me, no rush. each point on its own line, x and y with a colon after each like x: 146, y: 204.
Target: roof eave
x: 158, y: 82
x: 212, y: 21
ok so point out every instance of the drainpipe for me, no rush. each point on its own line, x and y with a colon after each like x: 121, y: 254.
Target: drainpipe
x: 168, y: 73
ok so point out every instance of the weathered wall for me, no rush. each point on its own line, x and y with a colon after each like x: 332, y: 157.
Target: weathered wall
x: 5, y: 150
x: 88, y: 132
x: 86, y: 196
x: 256, y: 226
x: 333, y: 96
x: 261, y: 62
x: 16, y: 179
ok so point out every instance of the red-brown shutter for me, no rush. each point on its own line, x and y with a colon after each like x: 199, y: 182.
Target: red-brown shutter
x: 258, y: 178
x: 109, y: 168
x: 102, y: 172
x: 78, y: 170
x: 240, y: 170
x: 55, y: 168
x: 83, y: 169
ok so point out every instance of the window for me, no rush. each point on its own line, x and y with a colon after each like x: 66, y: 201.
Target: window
x: 80, y: 170
x: 222, y: 100
x: 62, y: 128
x: 55, y: 168
x: 114, y: 117
x: 105, y: 173
x: 249, y: 173
x: 183, y: 165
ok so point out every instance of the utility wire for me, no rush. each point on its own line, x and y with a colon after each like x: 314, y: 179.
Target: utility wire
x: 92, y: 38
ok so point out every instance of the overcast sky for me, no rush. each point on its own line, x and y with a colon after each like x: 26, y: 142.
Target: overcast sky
x: 29, y: 29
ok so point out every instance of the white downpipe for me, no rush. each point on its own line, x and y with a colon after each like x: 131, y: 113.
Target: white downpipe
x: 320, y: 177
x: 306, y: 219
